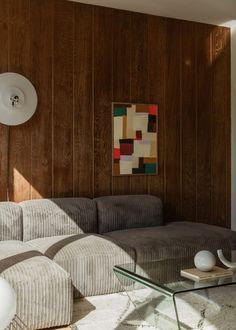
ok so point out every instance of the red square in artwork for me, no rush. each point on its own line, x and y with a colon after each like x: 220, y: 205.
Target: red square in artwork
x: 138, y: 135
x: 116, y: 153
x: 126, y: 149
x: 153, y: 109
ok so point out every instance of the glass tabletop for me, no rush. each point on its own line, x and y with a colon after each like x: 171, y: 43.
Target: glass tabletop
x: 164, y: 275
x: 166, y: 300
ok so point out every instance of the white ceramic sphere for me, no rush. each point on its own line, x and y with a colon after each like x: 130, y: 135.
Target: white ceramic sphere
x: 7, y: 304
x: 204, y: 261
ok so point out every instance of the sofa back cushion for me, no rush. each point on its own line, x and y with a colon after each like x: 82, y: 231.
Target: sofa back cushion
x: 58, y: 216
x: 128, y: 211
x: 11, y: 226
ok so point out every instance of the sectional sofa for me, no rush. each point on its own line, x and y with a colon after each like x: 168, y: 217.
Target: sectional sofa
x: 52, y: 250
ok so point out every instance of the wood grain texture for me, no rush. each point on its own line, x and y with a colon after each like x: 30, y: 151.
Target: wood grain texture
x: 63, y: 67
x: 83, y: 102
x: 227, y: 216
x: 102, y: 100
x: 20, y: 136
x: 220, y: 123
x: 3, y: 128
x: 172, y: 122
x: 204, y: 123
x: 81, y: 58
x: 41, y: 33
x: 188, y: 126
x: 121, y: 77
x: 156, y: 85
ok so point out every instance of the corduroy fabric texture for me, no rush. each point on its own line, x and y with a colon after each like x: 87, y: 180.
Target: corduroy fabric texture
x: 131, y: 211
x: 11, y: 225
x: 89, y: 260
x: 175, y: 239
x: 43, y: 289
x: 59, y: 216
x: 8, y: 262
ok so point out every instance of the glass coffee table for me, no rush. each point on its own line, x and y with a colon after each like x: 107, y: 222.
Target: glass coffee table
x: 167, y: 301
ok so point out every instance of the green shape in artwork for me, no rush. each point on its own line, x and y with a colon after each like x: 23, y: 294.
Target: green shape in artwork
x: 150, y: 168
x: 120, y: 112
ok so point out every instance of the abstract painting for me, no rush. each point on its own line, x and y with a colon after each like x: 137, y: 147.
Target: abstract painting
x: 134, y: 138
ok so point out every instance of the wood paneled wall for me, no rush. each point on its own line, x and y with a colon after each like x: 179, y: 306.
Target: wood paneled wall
x: 81, y: 58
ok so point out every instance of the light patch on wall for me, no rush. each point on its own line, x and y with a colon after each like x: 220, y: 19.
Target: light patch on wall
x: 220, y: 43
x: 188, y: 62
x: 24, y: 184
x: 229, y: 24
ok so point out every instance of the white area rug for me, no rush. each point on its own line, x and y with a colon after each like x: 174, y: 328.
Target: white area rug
x: 214, y: 311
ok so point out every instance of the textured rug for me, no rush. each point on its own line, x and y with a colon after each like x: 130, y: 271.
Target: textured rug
x: 212, y: 310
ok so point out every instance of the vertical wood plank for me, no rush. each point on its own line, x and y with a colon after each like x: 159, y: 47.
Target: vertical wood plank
x: 156, y: 86
x: 83, y: 101
x: 188, y: 118
x: 139, y: 80
x: 220, y: 120
x: 228, y: 128
x: 41, y: 35
x: 3, y: 128
x: 121, y: 76
x: 172, y: 123
x: 63, y: 99
x: 20, y: 136
x: 204, y: 126
x: 102, y: 100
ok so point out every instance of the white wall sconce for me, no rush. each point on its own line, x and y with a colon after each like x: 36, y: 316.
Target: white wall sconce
x: 18, y: 103
x: 18, y: 99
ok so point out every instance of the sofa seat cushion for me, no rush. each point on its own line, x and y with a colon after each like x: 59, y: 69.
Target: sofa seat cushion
x: 89, y: 259
x: 44, y: 290
x: 58, y: 216
x: 128, y: 211
x: 175, y: 239
x: 11, y: 225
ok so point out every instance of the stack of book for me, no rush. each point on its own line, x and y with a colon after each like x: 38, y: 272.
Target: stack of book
x: 198, y: 276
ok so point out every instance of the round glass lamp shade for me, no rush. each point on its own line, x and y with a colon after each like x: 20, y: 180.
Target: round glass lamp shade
x: 7, y: 304
x: 18, y: 99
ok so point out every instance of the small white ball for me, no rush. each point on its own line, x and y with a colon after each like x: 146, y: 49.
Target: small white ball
x: 204, y: 261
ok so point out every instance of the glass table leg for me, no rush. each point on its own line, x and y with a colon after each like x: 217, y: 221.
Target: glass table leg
x: 152, y: 306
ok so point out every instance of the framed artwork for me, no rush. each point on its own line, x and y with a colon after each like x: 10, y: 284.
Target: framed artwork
x: 134, y: 133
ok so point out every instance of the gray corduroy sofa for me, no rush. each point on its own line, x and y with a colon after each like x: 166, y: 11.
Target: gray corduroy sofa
x: 49, y: 247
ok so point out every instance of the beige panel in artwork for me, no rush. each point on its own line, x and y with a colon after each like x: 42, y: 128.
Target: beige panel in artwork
x: 140, y: 122
x: 130, y: 115
x: 124, y: 134
x: 118, y: 128
x: 153, y: 152
x: 126, y: 167
x: 149, y: 136
x: 117, y: 144
x: 130, y: 134
x: 142, y: 149
x: 135, y: 162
